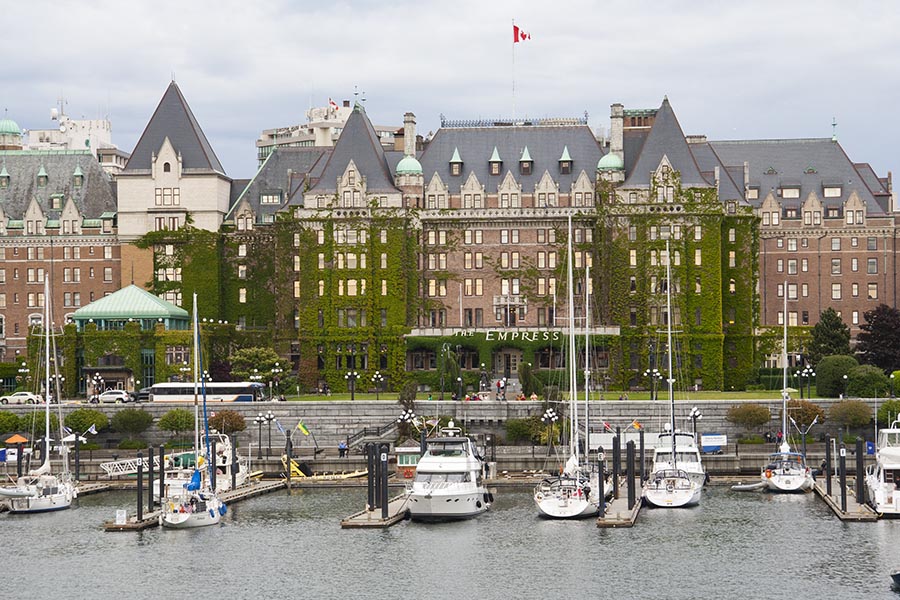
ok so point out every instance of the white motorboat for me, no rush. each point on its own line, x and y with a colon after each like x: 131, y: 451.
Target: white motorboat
x: 449, y: 480
x: 786, y: 471
x: 40, y: 490
x: 669, y: 485
x: 883, y: 478
x: 195, y: 503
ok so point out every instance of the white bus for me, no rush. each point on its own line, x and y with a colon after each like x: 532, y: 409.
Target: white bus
x: 216, y: 391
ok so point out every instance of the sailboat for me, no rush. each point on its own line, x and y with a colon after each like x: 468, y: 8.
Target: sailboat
x: 194, y: 504
x: 575, y: 492
x: 669, y: 485
x: 786, y: 471
x: 40, y: 490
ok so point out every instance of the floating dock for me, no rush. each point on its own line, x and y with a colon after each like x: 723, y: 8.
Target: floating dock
x: 856, y: 512
x: 151, y: 518
x: 397, y: 511
x: 617, y: 512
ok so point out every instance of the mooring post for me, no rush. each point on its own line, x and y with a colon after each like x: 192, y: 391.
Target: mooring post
x: 20, y: 450
x: 616, y: 461
x: 860, y: 472
x: 162, y: 473
x: 377, y: 461
x: 383, y: 460
x: 370, y: 477
x: 423, y: 444
x: 643, y: 462
x: 234, y: 465
x: 827, y: 470
x: 629, y: 472
x: 140, y: 486
x: 150, y: 470
x: 77, y: 457
x: 213, y: 466
x: 843, y: 467
x: 289, y: 447
x: 601, y: 492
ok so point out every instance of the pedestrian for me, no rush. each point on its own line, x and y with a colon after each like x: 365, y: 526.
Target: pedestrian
x: 342, y: 449
x: 778, y: 438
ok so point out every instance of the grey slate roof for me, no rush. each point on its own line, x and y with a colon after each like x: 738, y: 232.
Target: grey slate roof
x: 360, y: 143
x: 809, y: 163
x: 284, y: 171
x: 665, y: 138
x: 173, y: 119
x: 545, y: 144
x: 93, y: 198
x: 731, y: 181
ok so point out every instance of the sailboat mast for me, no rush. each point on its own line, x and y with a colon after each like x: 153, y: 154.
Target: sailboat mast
x: 670, y: 379
x: 573, y: 378
x: 784, y: 371
x: 47, y: 369
x: 587, y: 359
x: 196, y: 332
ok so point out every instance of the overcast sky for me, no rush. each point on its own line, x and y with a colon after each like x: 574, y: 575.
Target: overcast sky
x: 748, y: 70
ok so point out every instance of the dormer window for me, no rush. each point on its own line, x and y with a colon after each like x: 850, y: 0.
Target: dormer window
x: 167, y: 168
x: 790, y: 192
x: 270, y: 198
x: 456, y: 164
x: 55, y: 202
x: 78, y: 177
x: 351, y: 177
x: 565, y: 162
x: 496, y: 163
x: 753, y: 193
x: 42, y: 177
x: 525, y: 162
x: 830, y: 191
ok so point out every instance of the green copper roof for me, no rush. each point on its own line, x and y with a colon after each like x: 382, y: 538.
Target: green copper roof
x: 526, y: 157
x: 455, y: 158
x: 78, y: 171
x: 9, y: 127
x: 495, y: 157
x: 130, y: 303
x: 565, y: 155
x: 42, y: 172
x: 4, y: 172
x: 408, y: 165
x: 610, y: 162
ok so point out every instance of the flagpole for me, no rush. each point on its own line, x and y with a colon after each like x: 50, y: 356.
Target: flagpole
x: 514, y: 74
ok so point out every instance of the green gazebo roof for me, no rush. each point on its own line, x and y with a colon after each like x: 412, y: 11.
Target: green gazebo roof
x: 130, y: 302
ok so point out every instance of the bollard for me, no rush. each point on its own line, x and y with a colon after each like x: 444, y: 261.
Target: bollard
x: 140, y: 486
x: 377, y: 462
x: 162, y: 474
x: 860, y: 472
x: 827, y: 472
x: 643, y: 460
x: 616, y: 461
x: 213, y: 466
x: 383, y: 451
x: 150, y: 479
x: 20, y: 450
x: 423, y: 445
x: 370, y: 477
x: 842, y: 464
x: 601, y: 492
x: 629, y: 472
x: 234, y: 466
x: 77, y: 457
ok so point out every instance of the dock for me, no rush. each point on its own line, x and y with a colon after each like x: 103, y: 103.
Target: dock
x: 86, y: 489
x: 151, y: 518
x: 618, y: 514
x: 856, y: 512
x: 364, y: 519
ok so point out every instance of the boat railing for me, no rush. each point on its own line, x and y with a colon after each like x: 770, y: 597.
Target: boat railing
x: 438, y: 485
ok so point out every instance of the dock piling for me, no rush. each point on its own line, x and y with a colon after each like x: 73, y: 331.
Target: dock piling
x: 140, y: 486
x: 234, y: 465
x: 643, y: 463
x: 616, y: 463
x: 150, y: 452
x: 842, y: 465
x: 383, y: 452
x: 601, y: 493
x: 629, y: 472
x: 162, y: 473
x: 289, y: 448
x: 860, y: 472
x: 370, y: 478
x: 20, y: 449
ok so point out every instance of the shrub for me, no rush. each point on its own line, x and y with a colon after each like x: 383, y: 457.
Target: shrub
x: 830, y: 375
x: 850, y: 413
x: 131, y: 422
x: 9, y: 422
x: 524, y: 430
x: 751, y: 439
x: 177, y: 421
x: 805, y: 412
x: 131, y: 444
x: 33, y: 423
x: 228, y: 421
x: 81, y: 419
x: 551, y: 393
x: 888, y: 411
x: 748, y: 415
x: 867, y: 381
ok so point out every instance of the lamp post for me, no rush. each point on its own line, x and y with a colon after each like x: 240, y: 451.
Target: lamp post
x: 255, y: 377
x: 23, y: 374
x: 803, y: 430
x: 445, y: 348
x: 485, y: 381
x: 351, y: 377
x: 655, y: 377
x: 891, y: 378
x: 695, y: 416
x: 276, y: 371
x: 259, y: 420
x: 377, y: 381
x: 549, y: 418
x: 59, y: 381
x: 97, y: 383
x: 185, y: 369
x: 269, y: 417
x: 844, y: 395
x: 808, y: 373
x: 459, y: 384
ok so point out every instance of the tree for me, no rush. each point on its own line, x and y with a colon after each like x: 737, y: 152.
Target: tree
x: 9, y: 422
x: 878, y: 342
x: 805, y: 412
x: 830, y: 337
x: 81, y: 419
x: 867, y: 381
x: 830, y: 375
x: 748, y: 416
x: 850, y: 413
x: 33, y: 423
x: 177, y: 421
x: 528, y: 380
x: 228, y: 421
x: 132, y: 422
x: 888, y: 411
x: 256, y: 360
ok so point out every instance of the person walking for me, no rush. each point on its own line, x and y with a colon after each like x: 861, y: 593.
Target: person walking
x: 342, y: 449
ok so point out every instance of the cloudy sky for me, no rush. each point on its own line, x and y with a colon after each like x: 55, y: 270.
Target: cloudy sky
x: 748, y: 70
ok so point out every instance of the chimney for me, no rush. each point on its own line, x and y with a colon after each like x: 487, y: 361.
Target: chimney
x: 409, y: 134
x: 616, y: 127
x: 346, y: 104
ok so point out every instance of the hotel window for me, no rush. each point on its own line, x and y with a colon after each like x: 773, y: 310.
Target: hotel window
x: 542, y: 260
x: 242, y: 295
x: 632, y: 258
x: 495, y: 168
x: 776, y: 218
x: 854, y: 290
x: 871, y: 243
x: 321, y: 288
x: 872, y: 290
x: 779, y: 243
x: 792, y: 244
x: 731, y: 235
x: 835, y: 291
x: 854, y: 317
x: 107, y: 274
x: 872, y: 266
x: 320, y: 237
x: 242, y: 250
x: 836, y: 244
x: 804, y: 265
x: 807, y: 217
x: 792, y: 291
x: 835, y: 266
x: 765, y: 218
x: 732, y: 259
x: 551, y: 260
x: 384, y: 260
x: 296, y: 289
x: 779, y: 290
x: 817, y: 217
x: 632, y: 233
x: 698, y: 257
x: 779, y: 265
x: 467, y: 260
x: 242, y: 272
x: 804, y: 290
x: 698, y: 233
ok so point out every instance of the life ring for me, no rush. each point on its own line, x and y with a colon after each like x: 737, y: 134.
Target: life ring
x: 768, y: 473
x: 407, y: 473
x: 670, y: 488
x: 539, y: 496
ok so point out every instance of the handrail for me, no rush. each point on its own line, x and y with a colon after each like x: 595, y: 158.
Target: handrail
x: 366, y: 432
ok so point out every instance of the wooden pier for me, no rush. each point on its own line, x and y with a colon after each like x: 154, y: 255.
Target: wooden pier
x: 856, y: 512
x: 617, y: 512
x: 397, y: 511
x: 86, y: 489
x: 151, y: 518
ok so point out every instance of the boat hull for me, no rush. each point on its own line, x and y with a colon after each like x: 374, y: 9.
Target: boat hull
x: 788, y: 483
x: 40, y: 504
x: 671, y: 491
x: 447, y: 506
x: 567, y: 498
x: 191, y: 511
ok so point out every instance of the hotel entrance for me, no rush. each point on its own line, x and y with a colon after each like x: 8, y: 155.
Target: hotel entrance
x: 506, y: 362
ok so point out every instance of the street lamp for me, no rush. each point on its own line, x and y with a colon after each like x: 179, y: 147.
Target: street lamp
x: 892, y: 384
x: 351, y: 377
x: 808, y: 373
x: 803, y: 430
x: 695, y: 416
x: 97, y: 382
x: 185, y: 369
x: 655, y: 377
x: 259, y: 420
x: 459, y: 384
x: 549, y: 418
x: 844, y: 395
x: 377, y: 381
x: 407, y: 416
x: 23, y: 374
x: 445, y: 348
x: 485, y: 380
x: 269, y: 417
x: 276, y: 371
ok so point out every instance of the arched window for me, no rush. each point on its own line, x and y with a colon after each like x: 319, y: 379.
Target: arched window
x: 167, y: 168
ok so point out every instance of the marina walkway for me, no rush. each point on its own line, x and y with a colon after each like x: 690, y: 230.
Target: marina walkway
x: 617, y: 512
x: 856, y: 512
x: 397, y: 511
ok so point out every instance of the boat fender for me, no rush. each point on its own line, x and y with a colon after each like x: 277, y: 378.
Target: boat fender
x: 489, y: 497
x: 212, y: 514
x: 670, y: 488
x: 222, y: 510
x: 539, y: 496
x: 768, y: 473
x: 478, y: 504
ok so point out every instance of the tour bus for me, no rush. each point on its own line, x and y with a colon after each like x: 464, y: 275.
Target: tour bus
x: 216, y: 391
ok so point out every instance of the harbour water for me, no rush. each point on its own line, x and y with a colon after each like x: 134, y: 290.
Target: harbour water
x: 735, y: 545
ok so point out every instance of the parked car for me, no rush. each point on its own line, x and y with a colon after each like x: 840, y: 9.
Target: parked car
x: 21, y: 398
x: 143, y: 395
x: 112, y: 396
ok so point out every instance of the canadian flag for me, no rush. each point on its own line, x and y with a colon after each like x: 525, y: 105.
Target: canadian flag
x: 332, y: 104
x: 519, y: 35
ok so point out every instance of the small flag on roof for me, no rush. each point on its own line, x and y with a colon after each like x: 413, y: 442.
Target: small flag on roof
x: 519, y: 35
x: 332, y: 104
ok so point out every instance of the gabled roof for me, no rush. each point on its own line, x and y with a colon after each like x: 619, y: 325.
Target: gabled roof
x: 665, y: 139
x: 360, y: 143
x: 284, y: 171
x: 173, y: 119
x: 130, y: 303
